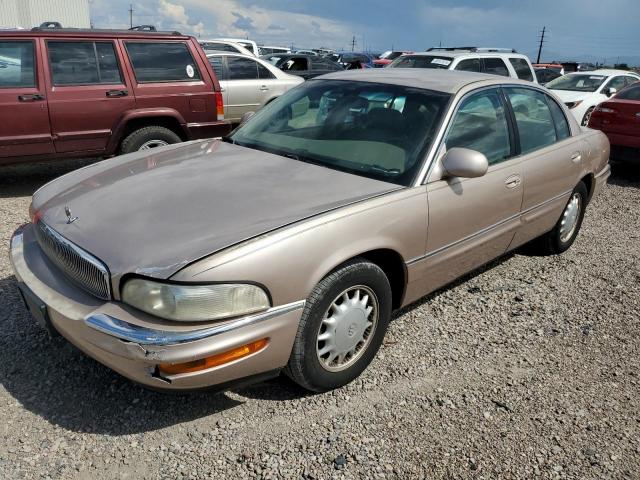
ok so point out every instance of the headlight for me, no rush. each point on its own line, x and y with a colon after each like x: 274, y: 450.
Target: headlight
x: 193, y: 303
x: 573, y: 104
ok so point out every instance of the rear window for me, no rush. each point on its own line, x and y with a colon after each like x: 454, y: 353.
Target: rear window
x: 155, y: 62
x: 17, y: 65
x: 630, y: 93
x: 521, y: 66
x: 421, y: 61
x: 83, y: 63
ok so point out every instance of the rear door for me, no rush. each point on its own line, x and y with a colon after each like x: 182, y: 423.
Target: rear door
x: 245, y: 89
x: 552, y: 159
x: 24, y: 113
x: 87, y: 93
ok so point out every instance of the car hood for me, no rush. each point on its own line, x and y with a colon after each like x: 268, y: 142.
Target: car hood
x: 154, y: 212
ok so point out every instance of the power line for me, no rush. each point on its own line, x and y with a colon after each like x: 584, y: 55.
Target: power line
x: 541, y: 42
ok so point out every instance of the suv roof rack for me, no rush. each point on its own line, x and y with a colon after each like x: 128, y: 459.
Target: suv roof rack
x: 57, y: 26
x: 472, y: 49
x: 144, y: 28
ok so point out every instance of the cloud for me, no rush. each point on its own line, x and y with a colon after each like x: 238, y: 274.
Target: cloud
x: 243, y: 22
x: 173, y: 12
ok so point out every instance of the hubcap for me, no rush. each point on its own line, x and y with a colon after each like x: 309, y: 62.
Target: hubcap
x: 153, y: 144
x: 587, y: 117
x: 570, y: 217
x: 347, y: 328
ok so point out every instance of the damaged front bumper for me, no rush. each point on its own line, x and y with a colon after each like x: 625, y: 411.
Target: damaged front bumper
x: 133, y: 343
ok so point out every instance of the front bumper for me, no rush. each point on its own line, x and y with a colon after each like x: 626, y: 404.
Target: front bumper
x: 133, y: 343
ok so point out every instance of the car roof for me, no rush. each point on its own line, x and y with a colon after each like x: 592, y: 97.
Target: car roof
x: 446, y: 81
x: 93, y: 33
x: 606, y: 72
x: 468, y: 53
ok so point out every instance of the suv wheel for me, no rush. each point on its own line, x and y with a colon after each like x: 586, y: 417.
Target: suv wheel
x: 342, y: 326
x: 147, y: 138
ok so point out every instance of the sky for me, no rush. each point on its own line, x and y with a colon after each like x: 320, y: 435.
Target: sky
x: 587, y: 30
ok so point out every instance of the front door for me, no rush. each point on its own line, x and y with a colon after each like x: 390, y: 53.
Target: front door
x: 24, y: 113
x: 87, y: 93
x: 473, y: 220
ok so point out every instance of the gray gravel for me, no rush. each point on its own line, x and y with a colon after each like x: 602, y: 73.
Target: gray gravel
x: 527, y: 369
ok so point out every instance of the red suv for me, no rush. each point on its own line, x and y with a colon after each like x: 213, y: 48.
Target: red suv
x: 84, y: 93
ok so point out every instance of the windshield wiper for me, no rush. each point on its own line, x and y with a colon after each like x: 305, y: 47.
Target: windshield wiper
x: 380, y: 170
x: 228, y: 139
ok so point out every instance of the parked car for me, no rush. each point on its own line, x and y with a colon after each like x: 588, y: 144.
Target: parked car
x: 288, y: 244
x: 387, y: 57
x: 352, y: 60
x: 583, y: 91
x: 545, y: 75
x: 305, y: 66
x: 619, y: 119
x: 268, y: 50
x: 306, y: 52
x: 90, y: 93
x: 248, y: 44
x: 551, y: 66
x: 210, y: 46
x: 494, y: 61
x: 248, y: 83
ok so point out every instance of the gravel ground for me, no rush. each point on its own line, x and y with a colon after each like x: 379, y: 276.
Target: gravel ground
x: 527, y: 369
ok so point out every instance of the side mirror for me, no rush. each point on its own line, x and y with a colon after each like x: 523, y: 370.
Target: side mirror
x: 245, y: 117
x: 611, y: 91
x: 466, y: 163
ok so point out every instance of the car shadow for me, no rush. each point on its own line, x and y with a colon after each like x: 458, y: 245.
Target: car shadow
x: 625, y: 174
x: 24, y: 179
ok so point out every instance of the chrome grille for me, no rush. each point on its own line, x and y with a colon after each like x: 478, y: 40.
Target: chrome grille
x: 80, y: 267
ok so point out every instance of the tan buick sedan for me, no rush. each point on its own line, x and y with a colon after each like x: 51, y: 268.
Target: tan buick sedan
x: 287, y: 245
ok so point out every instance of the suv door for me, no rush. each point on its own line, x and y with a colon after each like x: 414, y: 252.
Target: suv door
x: 473, y: 220
x: 551, y: 159
x: 24, y: 113
x: 87, y: 93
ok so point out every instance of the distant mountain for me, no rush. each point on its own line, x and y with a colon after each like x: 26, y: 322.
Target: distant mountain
x: 549, y: 56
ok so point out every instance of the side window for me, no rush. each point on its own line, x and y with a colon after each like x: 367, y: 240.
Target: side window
x: 263, y: 72
x: 157, y: 62
x: 630, y: 80
x: 616, y: 82
x: 533, y: 118
x: 216, y: 63
x: 17, y: 64
x: 83, y: 63
x: 495, y: 66
x: 560, y: 121
x: 241, y: 68
x: 469, y: 65
x: 521, y: 66
x: 481, y: 124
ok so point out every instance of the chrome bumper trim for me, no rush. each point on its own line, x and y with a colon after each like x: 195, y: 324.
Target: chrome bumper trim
x: 149, y: 336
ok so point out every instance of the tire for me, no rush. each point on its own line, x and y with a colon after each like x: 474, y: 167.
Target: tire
x: 148, y: 137
x: 561, y: 237
x: 587, y: 117
x: 308, y: 366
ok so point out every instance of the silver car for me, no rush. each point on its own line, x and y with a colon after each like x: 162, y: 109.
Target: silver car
x: 248, y: 83
x: 287, y: 245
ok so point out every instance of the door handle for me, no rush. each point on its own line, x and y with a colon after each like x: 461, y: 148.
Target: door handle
x: 264, y: 88
x: 117, y: 93
x: 576, y: 157
x: 513, y: 181
x: 30, y: 98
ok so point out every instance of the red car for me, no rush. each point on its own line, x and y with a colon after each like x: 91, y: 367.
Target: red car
x: 92, y: 93
x: 619, y: 119
x: 386, y: 58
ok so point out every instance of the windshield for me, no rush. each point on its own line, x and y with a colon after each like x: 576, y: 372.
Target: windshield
x: 577, y: 83
x: 373, y: 130
x: 421, y: 61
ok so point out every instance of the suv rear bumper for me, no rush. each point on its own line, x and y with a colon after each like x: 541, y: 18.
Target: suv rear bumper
x: 134, y: 344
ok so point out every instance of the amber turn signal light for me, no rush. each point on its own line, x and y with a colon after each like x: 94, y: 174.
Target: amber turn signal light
x: 213, y: 360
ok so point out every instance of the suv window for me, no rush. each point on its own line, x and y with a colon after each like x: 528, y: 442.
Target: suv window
x: 241, y: 68
x: 156, y: 62
x: 469, y: 65
x: 481, y: 124
x: 533, y: 118
x: 521, y: 66
x: 83, y: 63
x: 631, y: 93
x: 17, y: 64
x: 495, y: 66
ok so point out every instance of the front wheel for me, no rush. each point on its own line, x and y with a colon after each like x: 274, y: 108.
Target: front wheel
x: 342, y: 327
x: 587, y: 117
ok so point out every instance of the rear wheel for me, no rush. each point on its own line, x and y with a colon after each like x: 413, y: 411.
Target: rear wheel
x: 147, y: 138
x: 342, y: 326
x: 566, y: 230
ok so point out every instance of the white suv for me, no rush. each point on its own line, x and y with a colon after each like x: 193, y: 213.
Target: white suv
x: 496, y: 61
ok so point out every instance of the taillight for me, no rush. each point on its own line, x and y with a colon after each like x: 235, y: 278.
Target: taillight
x: 219, y: 106
x: 604, y: 109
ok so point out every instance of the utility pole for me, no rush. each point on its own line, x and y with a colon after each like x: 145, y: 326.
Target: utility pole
x: 353, y: 43
x: 131, y: 15
x: 541, y: 42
